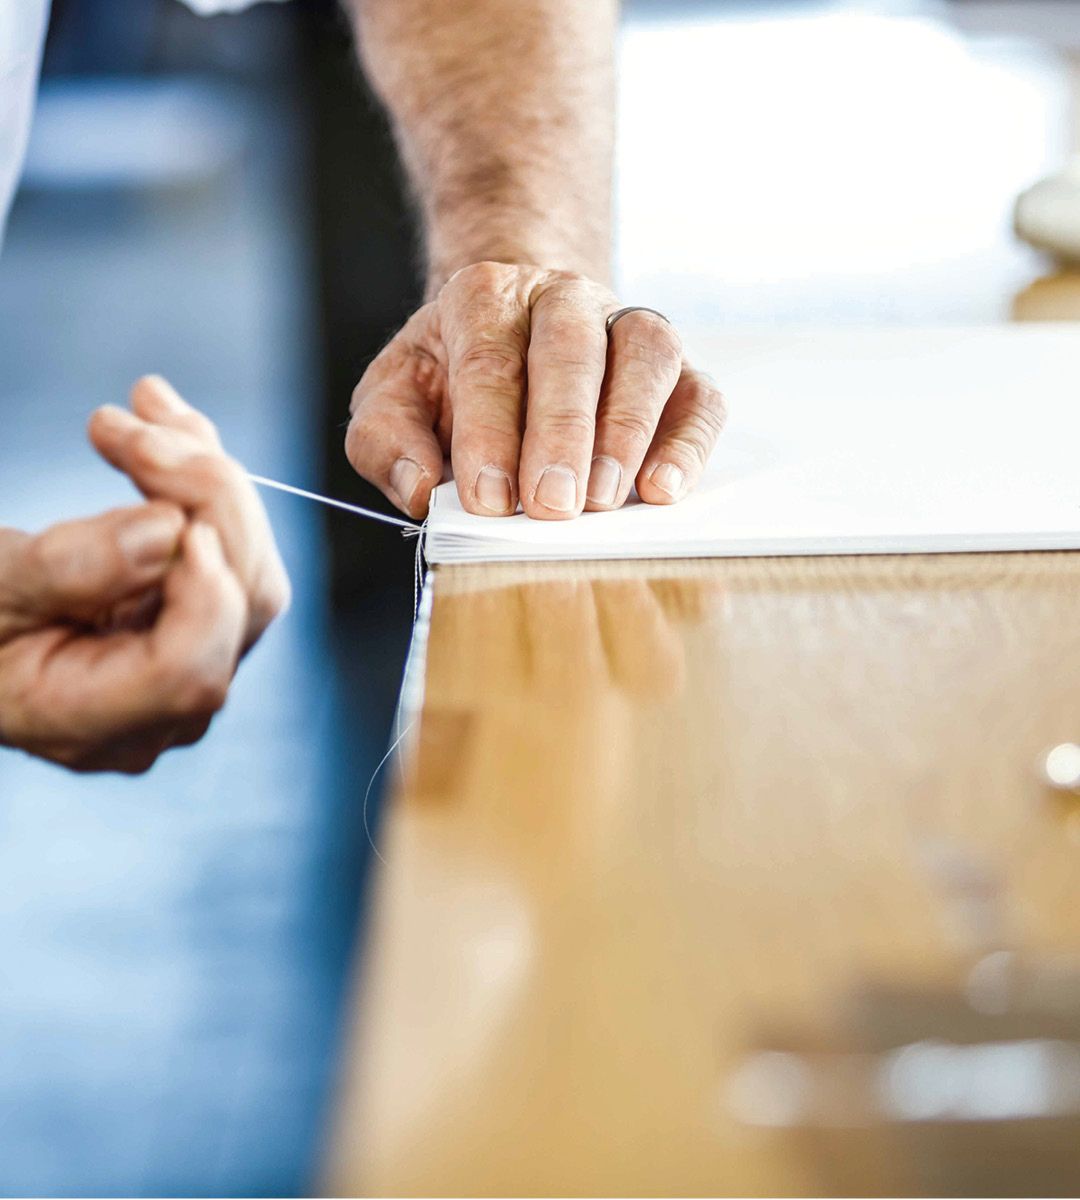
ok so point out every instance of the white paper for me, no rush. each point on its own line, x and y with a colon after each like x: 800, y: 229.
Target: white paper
x: 847, y: 441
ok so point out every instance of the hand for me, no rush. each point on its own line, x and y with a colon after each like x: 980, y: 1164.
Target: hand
x: 172, y: 452
x: 120, y: 634
x: 78, y: 691
x: 601, y: 415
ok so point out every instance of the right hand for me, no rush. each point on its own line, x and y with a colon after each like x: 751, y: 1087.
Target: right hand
x: 120, y: 634
x: 511, y: 373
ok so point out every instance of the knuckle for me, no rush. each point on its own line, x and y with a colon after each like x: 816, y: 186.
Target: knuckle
x: 232, y: 603
x: 572, y: 421
x: 480, y: 277
x: 271, y: 597
x: 487, y: 430
x: 215, y: 472
x: 354, y: 442
x: 362, y: 424
x: 405, y: 374
x: 695, y: 438
x: 710, y: 413
x: 568, y: 322
x: 631, y: 424
x: 423, y: 371
x: 281, y: 592
x: 194, y: 685
x: 145, y: 445
x: 576, y: 356
x: 203, y: 428
x: 567, y: 292
x: 649, y: 339
x: 493, y: 362
x: 666, y: 339
x: 201, y: 689
x: 570, y: 349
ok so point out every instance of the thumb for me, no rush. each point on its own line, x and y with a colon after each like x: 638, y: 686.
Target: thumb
x: 391, y: 441
x: 78, y: 569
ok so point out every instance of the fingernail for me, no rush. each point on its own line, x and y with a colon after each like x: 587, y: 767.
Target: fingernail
x: 405, y: 476
x: 557, y: 489
x: 151, y: 541
x: 604, y: 480
x: 493, y: 490
x: 668, y: 478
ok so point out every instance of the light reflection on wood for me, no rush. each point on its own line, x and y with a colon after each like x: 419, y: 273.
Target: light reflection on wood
x: 656, y: 810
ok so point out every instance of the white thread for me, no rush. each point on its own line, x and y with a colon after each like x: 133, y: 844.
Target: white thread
x: 420, y: 532
x: 353, y: 508
x: 408, y: 529
x: 371, y: 783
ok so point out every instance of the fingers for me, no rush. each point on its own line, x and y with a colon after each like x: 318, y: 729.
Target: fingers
x: 566, y: 364
x: 687, y: 432
x: 485, y: 328
x: 644, y: 359
x: 116, y: 701
x: 181, y: 461
x: 156, y: 400
x: 180, y: 670
x: 79, y: 570
x: 391, y: 440
x: 200, y: 634
x: 511, y: 368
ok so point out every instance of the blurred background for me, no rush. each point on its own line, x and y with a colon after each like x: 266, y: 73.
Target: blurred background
x: 217, y: 200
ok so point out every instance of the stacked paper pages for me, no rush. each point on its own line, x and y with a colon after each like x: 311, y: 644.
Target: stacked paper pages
x: 847, y: 442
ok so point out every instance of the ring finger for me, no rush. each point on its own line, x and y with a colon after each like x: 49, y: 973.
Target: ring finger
x: 643, y: 363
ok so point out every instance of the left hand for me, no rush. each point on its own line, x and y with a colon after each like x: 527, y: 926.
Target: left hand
x: 120, y: 633
x: 172, y: 452
x: 595, y: 417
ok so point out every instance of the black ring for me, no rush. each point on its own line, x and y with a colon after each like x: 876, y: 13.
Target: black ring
x: 621, y: 312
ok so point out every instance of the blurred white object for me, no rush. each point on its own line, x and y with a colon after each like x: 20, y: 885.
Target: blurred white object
x: 1061, y: 767
x: 796, y: 203
x: 120, y: 132
x: 1048, y: 214
x: 210, y: 8
x: 22, y: 34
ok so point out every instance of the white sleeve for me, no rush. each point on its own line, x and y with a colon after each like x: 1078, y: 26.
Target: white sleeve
x: 210, y: 8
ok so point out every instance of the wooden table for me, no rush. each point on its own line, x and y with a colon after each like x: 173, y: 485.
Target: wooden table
x: 730, y: 877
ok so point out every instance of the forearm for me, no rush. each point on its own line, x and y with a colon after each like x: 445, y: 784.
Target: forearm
x: 504, y: 115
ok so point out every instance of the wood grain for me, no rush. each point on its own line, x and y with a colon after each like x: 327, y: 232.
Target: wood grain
x: 656, y: 811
